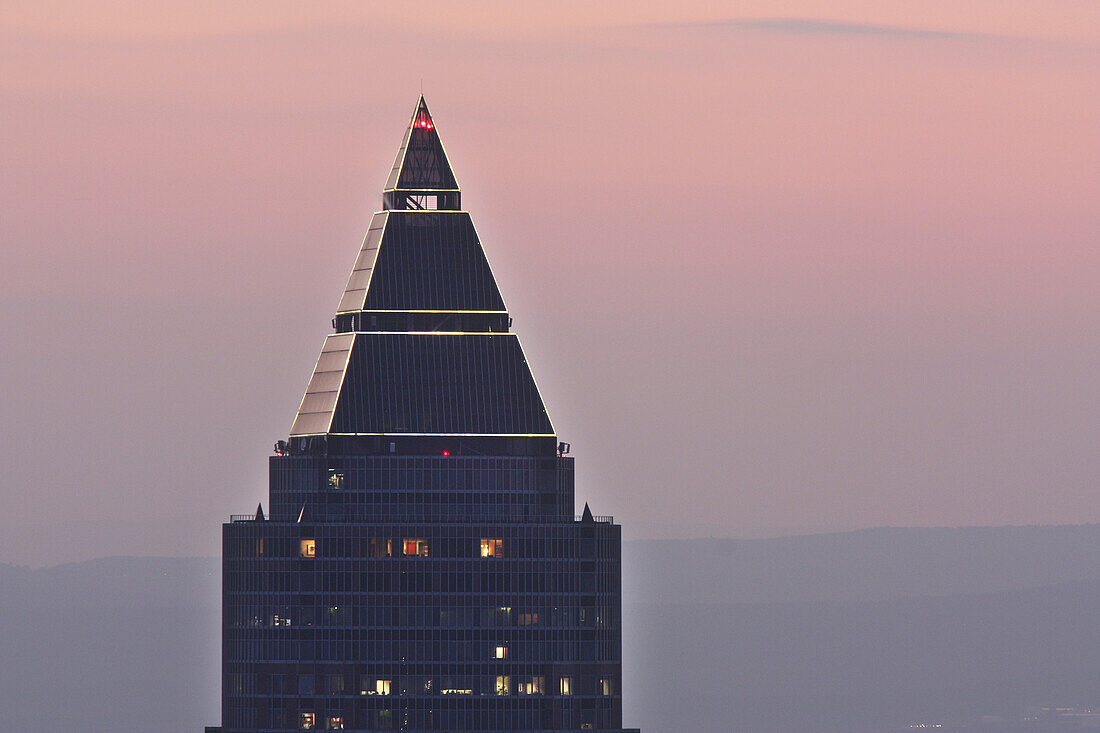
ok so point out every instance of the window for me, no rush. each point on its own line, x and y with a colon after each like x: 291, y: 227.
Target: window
x: 567, y: 685
x: 533, y: 686
x: 603, y: 616
x: 305, y: 684
x: 334, y: 684
x: 335, y: 479
x: 415, y: 547
x: 307, y: 721
x: 607, y: 686
x: 501, y: 652
x: 492, y: 548
x: 429, y: 202
x: 528, y: 619
x: 335, y: 722
x: 496, y: 616
x: 307, y: 548
x: 381, y: 547
x: 504, y: 685
x: 381, y: 687
x: 234, y: 684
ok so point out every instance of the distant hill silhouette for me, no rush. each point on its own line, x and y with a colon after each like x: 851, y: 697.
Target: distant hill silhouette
x: 847, y: 632
x: 865, y: 564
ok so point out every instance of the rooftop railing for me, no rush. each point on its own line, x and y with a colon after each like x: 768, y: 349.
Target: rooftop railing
x: 601, y: 518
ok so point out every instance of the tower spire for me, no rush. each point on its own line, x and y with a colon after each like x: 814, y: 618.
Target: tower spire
x: 421, y: 177
x: 422, y: 348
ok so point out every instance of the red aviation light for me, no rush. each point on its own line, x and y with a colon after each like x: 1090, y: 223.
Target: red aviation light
x: 446, y: 453
x: 423, y: 121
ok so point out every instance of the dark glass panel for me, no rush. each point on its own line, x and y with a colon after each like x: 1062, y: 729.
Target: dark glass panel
x: 431, y: 261
x: 422, y: 383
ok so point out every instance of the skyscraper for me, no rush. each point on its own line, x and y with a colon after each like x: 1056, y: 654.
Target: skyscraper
x: 421, y: 567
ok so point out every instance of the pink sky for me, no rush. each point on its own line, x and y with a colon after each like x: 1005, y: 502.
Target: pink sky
x: 776, y: 265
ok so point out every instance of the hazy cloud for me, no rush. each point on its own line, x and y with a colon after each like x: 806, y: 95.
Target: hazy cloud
x: 816, y: 26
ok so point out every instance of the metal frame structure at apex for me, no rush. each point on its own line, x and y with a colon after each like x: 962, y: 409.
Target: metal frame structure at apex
x: 421, y: 567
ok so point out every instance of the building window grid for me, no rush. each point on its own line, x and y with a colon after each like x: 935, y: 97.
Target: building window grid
x: 344, y: 578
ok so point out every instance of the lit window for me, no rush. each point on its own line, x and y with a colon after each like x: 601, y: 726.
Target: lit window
x: 415, y: 547
x: 501, y: 652
x: 567, y: 685
x: 492, y: 548
x: 504, y: 685
x: 381, y: 547
x: 335, y: 479
x: 528, y: 619
x: 335, y: 722
x: 307, y: 721
x: 534, y: 686
x: 382, y: 687
x: 607, y: 687
x: 307, y: 548
x: 496, y: 616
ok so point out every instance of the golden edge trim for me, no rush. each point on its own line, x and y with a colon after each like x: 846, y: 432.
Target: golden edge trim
x: 423, y: 190
x: 410, y: 310
x: 405, y: 140
x: 446, y: 435
x: 343, y: 378
x: 385, y: 223
x: 536, y: 383
x: 315, y: 365
x: 420, y: 211
x: 498, y: 334
x: 445, y: 157
x: 489, y: 263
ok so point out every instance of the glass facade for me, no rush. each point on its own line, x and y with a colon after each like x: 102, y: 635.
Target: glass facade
x: 444, y: 258
x: 421, y: 567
